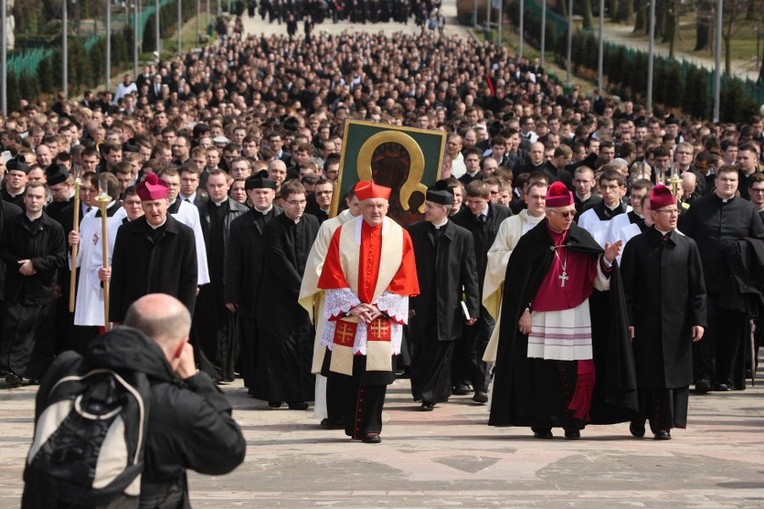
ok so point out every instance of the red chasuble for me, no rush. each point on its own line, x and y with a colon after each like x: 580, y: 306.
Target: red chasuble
x: 569, y: 281
x: 404, y: 282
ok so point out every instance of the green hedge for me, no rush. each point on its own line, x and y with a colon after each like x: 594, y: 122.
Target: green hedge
x: 676, y: 84
x: 168, y: 22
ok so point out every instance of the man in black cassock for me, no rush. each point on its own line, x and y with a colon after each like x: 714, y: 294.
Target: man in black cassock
x: 152, y: 254
x: 541, y: 381
x: 286, y: 334
x: 33, y: 249
x: 713, y: 221
x: 666, y: 298
x: 213, y: 325
x: 61, y: 186
x: 482, y: 218
x: 244, y: 267
x: 445, y: 262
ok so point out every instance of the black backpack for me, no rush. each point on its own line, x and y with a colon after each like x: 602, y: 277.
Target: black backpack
x: 89, y: 440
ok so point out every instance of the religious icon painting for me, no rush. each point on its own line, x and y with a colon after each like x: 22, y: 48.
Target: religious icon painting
x: 405, y: 159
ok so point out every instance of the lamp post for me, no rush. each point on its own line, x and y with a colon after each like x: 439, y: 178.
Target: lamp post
x: 64, y: 49
x: 157, y: 36
x: 650, y: 53
x: 543, y: 32
x: 570, y: 41
x: 718, y: 51
x: 4, y: 58
x: 108, y: 45
x: 601, y: 46
x: 180, y: 27
x: 135, y: 38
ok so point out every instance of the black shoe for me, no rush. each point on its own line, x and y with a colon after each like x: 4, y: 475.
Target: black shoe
x: 480, y: 397
x: 328, y: 424
x: 662, y: 435
x: 544, y: 434
x: 274, y: 404
x: 13, y: 381
x: 637, y: 429
x: 702, y: 386
x: 371, y: 438
x: 461, y: 390
x: 571, y: 434
x: 722, y: 388
x: 298, y: 405
x: 427, y: 406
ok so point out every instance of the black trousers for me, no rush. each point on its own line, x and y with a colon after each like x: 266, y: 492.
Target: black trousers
x: 28, y: 344
x: 467, y: 364
x: 720, y: 356
x: 361, y: 406
x: 360, y: 396
x: 664, y: 408
x: 334, y: 406
x: 431, y: 370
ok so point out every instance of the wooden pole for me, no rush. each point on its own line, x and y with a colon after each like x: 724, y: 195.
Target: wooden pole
x: 103, y: 200
x: 75, y: 247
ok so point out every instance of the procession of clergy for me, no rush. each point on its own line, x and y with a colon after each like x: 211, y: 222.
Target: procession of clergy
x: 568, y: 324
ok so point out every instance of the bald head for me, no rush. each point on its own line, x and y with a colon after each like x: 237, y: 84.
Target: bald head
x: 161, y: 317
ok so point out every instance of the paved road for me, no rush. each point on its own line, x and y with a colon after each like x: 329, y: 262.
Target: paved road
x: 450, y: 457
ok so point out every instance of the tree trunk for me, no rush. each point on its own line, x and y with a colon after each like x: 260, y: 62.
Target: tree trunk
x: 672, y: 22
x: 704, y: 25
x: 562, y: 8
x: 660, y: 18
x: 586, y: 12
x: 727, y: 54
x: 625, y: 11
x: 640, y: 18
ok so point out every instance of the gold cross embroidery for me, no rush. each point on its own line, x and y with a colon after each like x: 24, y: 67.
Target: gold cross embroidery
x: 379, y: 329
x: 344, y: 334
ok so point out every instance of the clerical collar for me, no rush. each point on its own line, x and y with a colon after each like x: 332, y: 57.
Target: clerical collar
x: 612, y: 208
x: 158, y: 226
x: 725, y: 200
x: 583, y: 198
x: 664, y: 233
x: 263, y: 212
x: 441, y: 225
x: 219, y: 203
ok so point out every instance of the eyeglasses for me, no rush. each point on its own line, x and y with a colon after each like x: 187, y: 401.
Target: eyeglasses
x: 566, y: 214
x: 757, y: 190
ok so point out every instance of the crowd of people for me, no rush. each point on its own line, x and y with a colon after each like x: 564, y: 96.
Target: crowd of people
x: 217, y: 172
x: 310, y: 12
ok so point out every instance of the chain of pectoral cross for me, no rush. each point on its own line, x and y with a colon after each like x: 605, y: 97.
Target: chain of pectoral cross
x: 564, y: 264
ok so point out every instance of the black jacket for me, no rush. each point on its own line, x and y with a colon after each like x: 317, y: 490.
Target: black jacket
x: 244, y: 259
x: 7, y: 210
x: 483, y: 233
x: 712, y: 221
x: 43, y: 243
x: 140, y: 267
x: 190, y: 424
x: 666, y: 296
x: 235, y: 209
x: 444, y: 273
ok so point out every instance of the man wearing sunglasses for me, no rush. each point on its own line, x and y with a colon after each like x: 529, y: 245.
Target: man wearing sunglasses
x: 552, y: 370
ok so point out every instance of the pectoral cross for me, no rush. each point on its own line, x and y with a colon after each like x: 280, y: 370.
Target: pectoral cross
x: 563, y: 277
